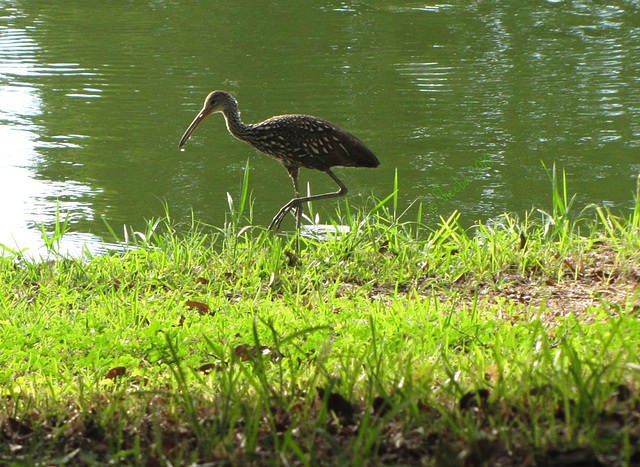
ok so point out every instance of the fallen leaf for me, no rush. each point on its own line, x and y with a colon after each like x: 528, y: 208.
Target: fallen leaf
x: 116, y: 372
x: 202, y: 308
x: 244, y: 352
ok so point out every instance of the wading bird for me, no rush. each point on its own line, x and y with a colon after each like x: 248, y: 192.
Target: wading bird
x: 295, y: 141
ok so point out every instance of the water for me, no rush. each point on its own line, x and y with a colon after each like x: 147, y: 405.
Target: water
x: 94, y: 97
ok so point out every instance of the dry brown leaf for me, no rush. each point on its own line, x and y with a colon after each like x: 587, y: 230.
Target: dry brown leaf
x: 202, y: 308
x: 116, y: 372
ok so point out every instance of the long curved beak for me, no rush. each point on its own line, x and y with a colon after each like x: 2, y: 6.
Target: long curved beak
x: 204, y: 113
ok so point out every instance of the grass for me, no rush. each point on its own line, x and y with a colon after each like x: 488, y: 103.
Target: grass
x: 511, y: 343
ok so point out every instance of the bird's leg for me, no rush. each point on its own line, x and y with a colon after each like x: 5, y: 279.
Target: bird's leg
x: 293, y: 173
x: 297, y: 202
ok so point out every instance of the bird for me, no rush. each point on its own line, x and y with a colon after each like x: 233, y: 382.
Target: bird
x: 296, y: 141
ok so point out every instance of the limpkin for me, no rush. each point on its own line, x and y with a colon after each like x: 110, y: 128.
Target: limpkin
x: 295, y: 141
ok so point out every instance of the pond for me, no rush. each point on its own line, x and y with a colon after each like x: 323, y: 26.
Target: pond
x: 95, y: 96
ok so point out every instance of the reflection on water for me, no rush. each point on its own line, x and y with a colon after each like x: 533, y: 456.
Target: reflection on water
x: 94, y: 99
x: 28, y: 200
x: 531, y: 83
x: 428, y: 77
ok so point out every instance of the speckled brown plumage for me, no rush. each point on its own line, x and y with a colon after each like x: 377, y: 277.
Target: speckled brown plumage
x: 293, y: 140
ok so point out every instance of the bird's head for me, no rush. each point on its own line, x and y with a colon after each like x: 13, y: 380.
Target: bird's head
x: 217, y: 101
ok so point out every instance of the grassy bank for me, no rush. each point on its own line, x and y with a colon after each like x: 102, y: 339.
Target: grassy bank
x: 511, y: 343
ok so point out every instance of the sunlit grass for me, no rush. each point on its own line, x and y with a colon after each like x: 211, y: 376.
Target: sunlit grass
x: 391, y: 342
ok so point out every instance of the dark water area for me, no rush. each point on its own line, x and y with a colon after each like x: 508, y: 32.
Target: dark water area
x: 94, y: 97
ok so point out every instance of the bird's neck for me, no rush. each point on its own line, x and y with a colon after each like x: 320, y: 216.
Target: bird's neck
x: 234, y: 124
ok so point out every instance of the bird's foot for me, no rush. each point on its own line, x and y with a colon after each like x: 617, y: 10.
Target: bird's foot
x: 277, y: 220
